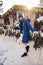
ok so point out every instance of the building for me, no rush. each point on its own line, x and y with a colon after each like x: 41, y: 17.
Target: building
x: 13, y: 13
x: 41, y: 1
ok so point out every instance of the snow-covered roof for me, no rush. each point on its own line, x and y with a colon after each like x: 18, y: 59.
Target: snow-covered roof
x: 40, y: 5
x: 40, y: 18
x: 7, y: 4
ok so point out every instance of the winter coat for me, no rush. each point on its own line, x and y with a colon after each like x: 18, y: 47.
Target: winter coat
x: 26, y: 28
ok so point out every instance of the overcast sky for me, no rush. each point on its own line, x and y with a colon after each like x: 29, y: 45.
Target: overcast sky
x: 7, y: 4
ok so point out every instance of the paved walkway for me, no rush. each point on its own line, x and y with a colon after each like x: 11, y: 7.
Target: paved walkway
x: 10, y: 53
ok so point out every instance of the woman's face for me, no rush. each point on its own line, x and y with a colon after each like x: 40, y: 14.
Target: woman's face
x: 21, y: 19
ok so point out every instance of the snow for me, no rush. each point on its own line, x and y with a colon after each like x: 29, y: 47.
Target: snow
x: 10, y: 53
x: 39, y: 19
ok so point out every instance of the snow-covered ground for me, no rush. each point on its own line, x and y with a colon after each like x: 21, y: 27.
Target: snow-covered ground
x: 10, y: 53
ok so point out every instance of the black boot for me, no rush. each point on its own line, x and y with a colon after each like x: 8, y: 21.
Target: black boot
x: 27, y: 48
x: 25, y: 54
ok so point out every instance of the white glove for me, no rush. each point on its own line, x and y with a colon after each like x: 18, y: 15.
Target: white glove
x: 21, y: 35
x: 34, y: 33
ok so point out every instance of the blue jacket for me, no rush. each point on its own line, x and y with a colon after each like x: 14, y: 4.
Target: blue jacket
x: 27, y: 27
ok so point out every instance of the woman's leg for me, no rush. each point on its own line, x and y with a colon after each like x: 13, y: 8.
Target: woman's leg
x: 24, y: 46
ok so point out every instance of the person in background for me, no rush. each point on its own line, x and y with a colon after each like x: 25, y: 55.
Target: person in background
x: 14, y: 17
x: 25, y: 28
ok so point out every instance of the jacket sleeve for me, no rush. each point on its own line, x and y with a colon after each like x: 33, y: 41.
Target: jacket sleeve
x: 29, y: 26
